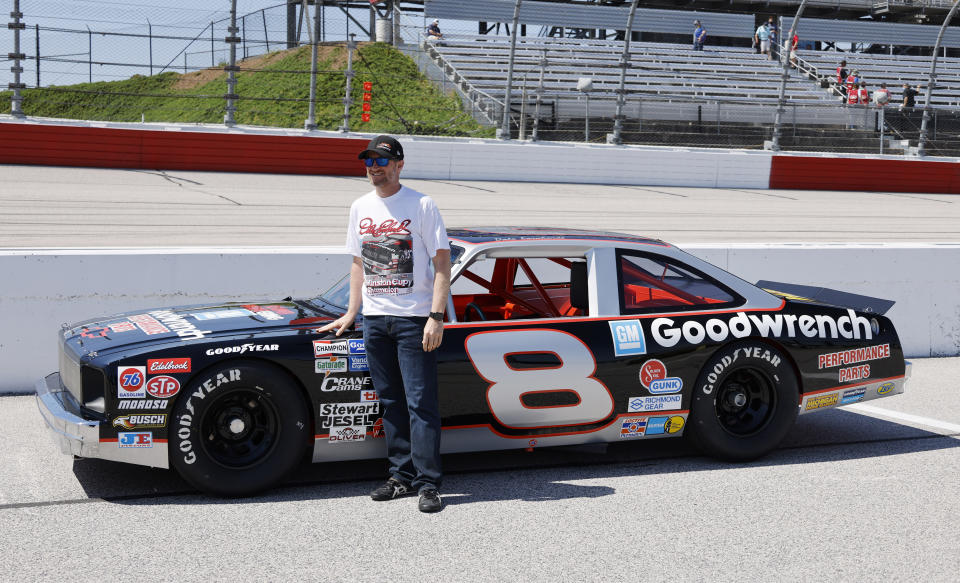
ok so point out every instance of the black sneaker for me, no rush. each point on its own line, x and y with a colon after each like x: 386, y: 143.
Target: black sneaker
x: 430, y: 500
x: 391, y: 489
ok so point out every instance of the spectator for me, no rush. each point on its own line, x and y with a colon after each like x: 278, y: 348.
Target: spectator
x: 699, y: 35
x: 864, y: 95
x: 792, y: 48
x: 881, y: 96
x: 761, y: 39
x: 433, y: 31
x: 851, y: 87
x: 909, y: 96
x: 772, y: 25
x: 841, y: 79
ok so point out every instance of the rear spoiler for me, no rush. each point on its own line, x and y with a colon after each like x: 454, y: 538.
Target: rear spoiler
x: 831, y: 297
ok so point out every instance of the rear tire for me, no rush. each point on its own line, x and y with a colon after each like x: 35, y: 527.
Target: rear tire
x: 239, y: 429
x: 744, y: 403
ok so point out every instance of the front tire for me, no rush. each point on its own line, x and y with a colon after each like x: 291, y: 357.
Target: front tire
x: 239, y: 429
x: 744, y: 403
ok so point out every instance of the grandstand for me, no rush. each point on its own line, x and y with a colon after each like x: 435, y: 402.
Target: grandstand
x: 726, y: 85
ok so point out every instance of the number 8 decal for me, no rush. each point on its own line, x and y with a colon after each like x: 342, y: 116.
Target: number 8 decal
x: 488, y: 352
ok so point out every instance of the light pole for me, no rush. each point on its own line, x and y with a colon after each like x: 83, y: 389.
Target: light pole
x: 585, y: 86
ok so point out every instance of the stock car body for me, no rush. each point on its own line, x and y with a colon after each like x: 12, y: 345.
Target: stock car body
x: 554, y: 337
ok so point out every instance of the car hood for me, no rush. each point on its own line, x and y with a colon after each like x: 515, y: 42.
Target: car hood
x: 190, y: 323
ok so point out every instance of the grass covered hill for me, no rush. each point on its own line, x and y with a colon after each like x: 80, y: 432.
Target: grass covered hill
x: 273, y: 90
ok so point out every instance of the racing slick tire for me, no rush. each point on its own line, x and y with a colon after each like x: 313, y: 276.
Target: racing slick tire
x: 239, y: 429
x: 744, y: 402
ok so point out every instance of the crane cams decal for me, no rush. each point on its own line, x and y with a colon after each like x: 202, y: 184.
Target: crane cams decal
x: 186, y: 419
x: 726, y: 361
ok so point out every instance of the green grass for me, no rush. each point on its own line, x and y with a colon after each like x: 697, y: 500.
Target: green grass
x: 273, y: 92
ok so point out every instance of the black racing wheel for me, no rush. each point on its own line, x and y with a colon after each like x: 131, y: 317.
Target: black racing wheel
x: 239, y: 429
x: 745, y: 401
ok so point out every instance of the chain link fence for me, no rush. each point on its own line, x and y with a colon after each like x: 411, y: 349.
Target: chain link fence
x: 136, y: 66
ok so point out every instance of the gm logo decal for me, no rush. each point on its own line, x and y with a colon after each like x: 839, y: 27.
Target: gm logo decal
x: 627, y: 338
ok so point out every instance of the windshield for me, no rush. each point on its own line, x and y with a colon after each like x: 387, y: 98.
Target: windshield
x: 339, y: 293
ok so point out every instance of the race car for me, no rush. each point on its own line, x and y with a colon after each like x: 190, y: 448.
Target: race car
x: 553, y: 337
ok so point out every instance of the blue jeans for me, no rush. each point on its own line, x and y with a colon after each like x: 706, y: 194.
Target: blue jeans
x: 405, y: 378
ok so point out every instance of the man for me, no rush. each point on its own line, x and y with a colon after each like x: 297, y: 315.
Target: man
x: 842, y: 77
x: 864, y: 94
x: 433, y: 31
x: 852, y: 82
x: 401, y: 272
x: 909, y: 96
x: 762, y: 38
x: 699, y: 35
x: 772, y: 27
x: 882, y: 96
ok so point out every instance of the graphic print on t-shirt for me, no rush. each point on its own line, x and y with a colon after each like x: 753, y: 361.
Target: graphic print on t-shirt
x: 387, y: 256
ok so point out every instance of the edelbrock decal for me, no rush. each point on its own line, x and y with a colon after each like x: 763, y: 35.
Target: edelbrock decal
x: 667, y: 334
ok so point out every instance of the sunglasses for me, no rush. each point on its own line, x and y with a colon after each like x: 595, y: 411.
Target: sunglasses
x: 381, y: 162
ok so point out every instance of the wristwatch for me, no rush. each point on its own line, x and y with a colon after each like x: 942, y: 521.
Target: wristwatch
x: 438, y: 316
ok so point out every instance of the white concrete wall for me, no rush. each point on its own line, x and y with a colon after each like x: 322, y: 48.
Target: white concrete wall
x: 44, y: 288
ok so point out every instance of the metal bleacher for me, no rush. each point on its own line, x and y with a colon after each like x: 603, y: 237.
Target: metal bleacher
x: 669, y: 72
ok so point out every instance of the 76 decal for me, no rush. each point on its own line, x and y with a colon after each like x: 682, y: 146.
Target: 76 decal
x: 489, y: 352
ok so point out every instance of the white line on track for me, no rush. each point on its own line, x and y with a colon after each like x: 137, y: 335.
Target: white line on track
x: 917, y: 419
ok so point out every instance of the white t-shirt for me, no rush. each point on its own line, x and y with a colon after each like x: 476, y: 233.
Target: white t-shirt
x: 396, y: 239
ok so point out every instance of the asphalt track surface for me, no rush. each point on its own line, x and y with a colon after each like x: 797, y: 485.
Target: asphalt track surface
x: 864, y: 493
x: 76, y: 207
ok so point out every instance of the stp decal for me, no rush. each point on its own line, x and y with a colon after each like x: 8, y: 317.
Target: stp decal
x: 131, y: 381
x: 163, y: 387
x: 628, y: 339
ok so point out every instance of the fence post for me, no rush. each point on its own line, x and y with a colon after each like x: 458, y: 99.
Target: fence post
x: 266, y: 35
x: 213, y: 63
x: 536, y: 113
x: 150, y: 36
x: 505, y: 126
x: 89, y: 54
x: 16, y: 102
x: 785, y: 60
x: 347, y: 102
x: 311, y: 123
x: 921, y: 144
x: 233, y: 40
x: 36, y: 29
x: 615, y: 138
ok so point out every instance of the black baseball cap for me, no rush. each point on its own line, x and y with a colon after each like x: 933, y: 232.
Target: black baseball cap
x: 385, y: 146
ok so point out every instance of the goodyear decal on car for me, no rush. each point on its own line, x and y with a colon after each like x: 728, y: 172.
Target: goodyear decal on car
x: 852, y: 396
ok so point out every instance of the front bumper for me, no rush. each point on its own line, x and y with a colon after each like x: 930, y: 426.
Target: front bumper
x: 74, y: 434
x: 81, y: 437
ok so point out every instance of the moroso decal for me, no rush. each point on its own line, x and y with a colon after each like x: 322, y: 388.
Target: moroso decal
x: 143, y: 404
x: 667, y: 333
x: 628, y: 339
